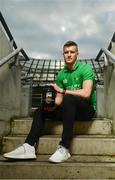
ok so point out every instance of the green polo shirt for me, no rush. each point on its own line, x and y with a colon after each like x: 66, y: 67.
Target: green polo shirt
x: 73, y: 79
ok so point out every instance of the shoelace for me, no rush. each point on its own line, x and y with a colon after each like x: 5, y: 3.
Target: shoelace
x: 18, y: 148
x: 24, y: 149
x: 61, y: 149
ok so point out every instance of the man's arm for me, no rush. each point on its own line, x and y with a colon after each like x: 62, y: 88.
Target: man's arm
x: 58, y: 100
x: 85, y: 92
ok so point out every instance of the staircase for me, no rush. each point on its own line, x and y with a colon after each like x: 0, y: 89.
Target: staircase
x: 93, y: 145
x: 92, y: 149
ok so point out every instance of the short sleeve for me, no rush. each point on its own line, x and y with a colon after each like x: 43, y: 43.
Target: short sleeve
x: 88, y: 73
x: 59, y: 80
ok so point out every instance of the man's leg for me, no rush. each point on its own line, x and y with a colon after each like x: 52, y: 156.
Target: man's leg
x: 74, y: 108
x: 36, y: 128
x: 39, y: 122
x: 27, y: 150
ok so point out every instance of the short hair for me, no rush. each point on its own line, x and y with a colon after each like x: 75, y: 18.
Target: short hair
x: 70, y: 43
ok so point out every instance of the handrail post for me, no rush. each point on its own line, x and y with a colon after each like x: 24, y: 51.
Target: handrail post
x: 108, y: 70
x: 106, y: 83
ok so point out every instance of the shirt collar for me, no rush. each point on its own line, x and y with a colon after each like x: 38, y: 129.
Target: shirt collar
x: 74, y: 68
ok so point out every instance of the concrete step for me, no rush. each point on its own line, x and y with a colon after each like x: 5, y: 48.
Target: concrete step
x: 74, y: 158
x: 81, y: 145
x: 96, y: 126
x: 45, y: 170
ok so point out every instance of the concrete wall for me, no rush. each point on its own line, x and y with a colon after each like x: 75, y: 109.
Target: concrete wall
x: 110, y: 100
x: 25, y: 101
x: 5, y: 46
x: 100, y: 101
x: 14, y: 99
x: 110, y: 96
x: 10, y: 87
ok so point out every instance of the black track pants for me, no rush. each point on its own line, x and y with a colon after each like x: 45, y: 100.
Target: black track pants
x: 72, y: 108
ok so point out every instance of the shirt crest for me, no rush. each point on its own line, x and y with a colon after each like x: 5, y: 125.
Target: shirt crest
x: 65, y: 81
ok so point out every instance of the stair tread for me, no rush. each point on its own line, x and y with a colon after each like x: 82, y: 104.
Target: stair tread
x: 30, y: 118
x: 95, y: 145
x: 42, y: 163
x: 74, y: 159
x: 58, y: 136
x: 46, y: 170
x: 95, y: 126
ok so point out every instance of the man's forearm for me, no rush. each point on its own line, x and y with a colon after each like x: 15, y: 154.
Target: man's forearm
x: 58, y: 99
x: 85, y: 92
x: 81, y: 92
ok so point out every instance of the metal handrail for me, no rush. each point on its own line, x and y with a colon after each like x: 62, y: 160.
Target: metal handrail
x: 99, y: 55
x: 9, y: 56
x: 10, y: 36
x: 24, y: 54
x: 112, y: 40
x: 107, y: 53
x: 110, y: 55
x: 7, y: 30
x: 109, y: 48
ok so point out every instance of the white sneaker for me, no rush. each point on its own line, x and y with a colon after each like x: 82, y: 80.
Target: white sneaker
x: 60, y: 155
x: 25, y: 151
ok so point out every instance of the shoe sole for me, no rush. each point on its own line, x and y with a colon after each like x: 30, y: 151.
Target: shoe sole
x: 20, y: 157
x: 56, y: 162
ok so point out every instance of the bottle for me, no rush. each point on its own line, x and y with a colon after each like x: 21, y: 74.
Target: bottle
x: 48, y: 96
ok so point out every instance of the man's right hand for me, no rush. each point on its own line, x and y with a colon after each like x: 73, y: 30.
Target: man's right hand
x: 57, y: 88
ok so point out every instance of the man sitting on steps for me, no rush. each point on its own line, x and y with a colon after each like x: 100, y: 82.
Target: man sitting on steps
x: 75, y: 100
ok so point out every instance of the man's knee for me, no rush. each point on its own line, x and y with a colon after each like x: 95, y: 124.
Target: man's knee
x: 68, y: 99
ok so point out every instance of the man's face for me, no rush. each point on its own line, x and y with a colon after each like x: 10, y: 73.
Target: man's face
x: 70, y: 54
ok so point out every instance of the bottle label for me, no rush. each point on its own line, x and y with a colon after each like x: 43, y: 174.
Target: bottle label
x: 48, y: 97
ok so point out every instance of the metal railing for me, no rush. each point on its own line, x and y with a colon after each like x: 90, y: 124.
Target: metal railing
x: 9, y: 56
x: 107, y: 52
x: 11, y: 38
x: 7, y: 30
x: 109, y: 60
x: 108, y: 56
x: 44, y: 71
x: 109, y: 81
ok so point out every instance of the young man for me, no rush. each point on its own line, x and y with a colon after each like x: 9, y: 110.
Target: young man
x: 75, y: 100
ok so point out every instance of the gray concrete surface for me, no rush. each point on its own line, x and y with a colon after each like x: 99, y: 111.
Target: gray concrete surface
x: 45, y: 170
x: 96, y: 126
x: 10, y: 88
x: 5, y: 45
x: 110, y: 93
x: 87, y: 144
x: 25, y: 102
x: 100, y: 101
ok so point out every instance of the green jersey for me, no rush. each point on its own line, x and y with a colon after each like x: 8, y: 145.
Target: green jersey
x: 73, y: 79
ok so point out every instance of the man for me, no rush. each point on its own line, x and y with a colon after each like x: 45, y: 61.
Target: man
x: 75, y: 100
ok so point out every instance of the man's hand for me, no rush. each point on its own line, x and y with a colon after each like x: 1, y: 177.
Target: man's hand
x: 57, y: 88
